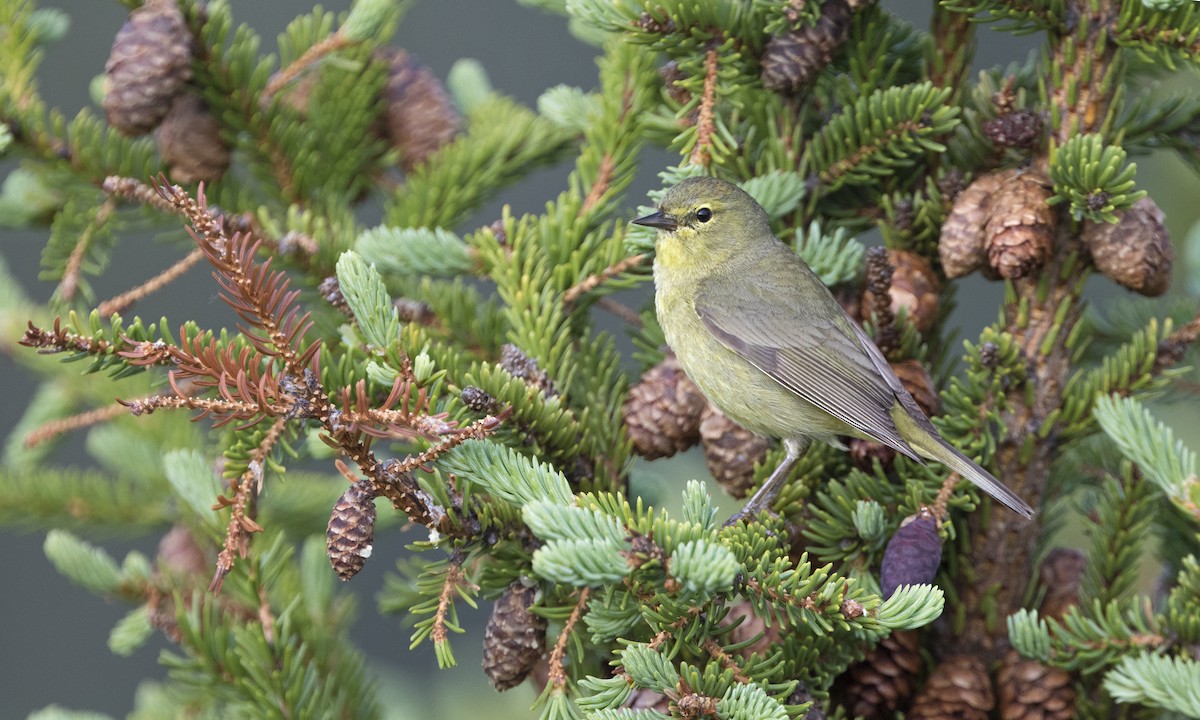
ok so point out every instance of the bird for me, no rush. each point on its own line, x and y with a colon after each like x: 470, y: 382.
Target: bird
x: 755, y: 328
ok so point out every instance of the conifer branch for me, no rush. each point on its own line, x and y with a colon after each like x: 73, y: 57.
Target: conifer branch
x: 70, y: 277
x: 311, y: 56
x: 620, y: 311
x: 246, y: 489
x: 54, y: 428
x: 1173, y: 347
x: 136, y: 191
x: 121, y: 303
x: 557, y: 676
x: 714, y: 649
x: 58, y: 340
x: 591, y: 282
x: 454, y: 577
x: 701, y: 153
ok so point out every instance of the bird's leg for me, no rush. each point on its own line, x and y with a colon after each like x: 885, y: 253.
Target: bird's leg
x: 765, y: 495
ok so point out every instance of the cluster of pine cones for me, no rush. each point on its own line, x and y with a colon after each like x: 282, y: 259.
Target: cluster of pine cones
x: 148, y: 88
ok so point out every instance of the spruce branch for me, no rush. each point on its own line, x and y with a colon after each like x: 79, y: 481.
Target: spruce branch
x: 557, y: 674
x: 591, y: 282
x: 246, y: 489
x: 70, y: 276
x: 54, y: 428
x: 122, y: 302
x: 701, y: 153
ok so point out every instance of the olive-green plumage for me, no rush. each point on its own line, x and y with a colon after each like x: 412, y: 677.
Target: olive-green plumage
x: 764, y: 339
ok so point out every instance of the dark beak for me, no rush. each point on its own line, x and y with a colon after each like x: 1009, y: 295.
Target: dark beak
x: 659, y: 220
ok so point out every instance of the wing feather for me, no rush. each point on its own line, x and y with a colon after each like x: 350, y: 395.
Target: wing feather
x: 797, y: 346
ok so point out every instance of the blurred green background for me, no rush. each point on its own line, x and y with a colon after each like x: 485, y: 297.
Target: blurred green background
x: 53, y: 635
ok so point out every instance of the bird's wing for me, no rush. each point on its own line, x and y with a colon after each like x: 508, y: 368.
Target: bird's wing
x: 804, y: 341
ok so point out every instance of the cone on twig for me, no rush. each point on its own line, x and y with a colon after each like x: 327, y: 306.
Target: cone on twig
x: 914, y: 287
x: 791, y: 61
x: 1000, y: 224
x: 1136, y: 251
x: 959, y: 689
x: 1020, y: 227
x: 730, y: 451
x: 350, y: 536
x: 514, y: 637
x: 151, y: 59
x: 662, y: 411
x: 189, y: 141
x: 884, y: 681
x: 1016, y: 128
x: 419, y: 115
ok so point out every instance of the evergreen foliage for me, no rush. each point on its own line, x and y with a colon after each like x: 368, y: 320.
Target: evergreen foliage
x: 455, y: 375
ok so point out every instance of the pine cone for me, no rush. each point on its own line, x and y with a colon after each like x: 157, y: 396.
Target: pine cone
x: 189, y: 140
x: 151, y: 59
x: 730, y: 451
x: 662, y: 411
x: 1020, y: 227
x: 884, y: 681
x: 1019, y: 128
x: 913, y: 553
x: 514, y: 637
x: 790, y: 62
x: 914, y: 286
x: 420, y: 116
x: 479, y: 400
x: 1060, y: 574
x: 523, y: 367
x: 1029, y: 690
x: 351, y: 531
x: 961, y: 247
x: 959, y: 689
x: 1135, y: 252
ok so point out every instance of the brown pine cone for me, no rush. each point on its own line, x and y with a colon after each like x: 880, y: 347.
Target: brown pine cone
x: 420, y: 116
x: 151, y: 59
x: 1020, y: 227
x: 1136, y: 251
x: 730, y: 451
x: 351, y: 531
x: 961, y: 248
x: 662, y: 411
x: 1019, y: 128
x: 914, y: 286
x: 189, y: 140
x: 959, y: 689
x: 884, y: 681
x: 791, y: 61
x: 514, y: 637
x: 1029, y: 690
x: 1060, y: 574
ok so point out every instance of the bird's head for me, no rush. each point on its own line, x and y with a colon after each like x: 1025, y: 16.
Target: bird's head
x: 706, y: 218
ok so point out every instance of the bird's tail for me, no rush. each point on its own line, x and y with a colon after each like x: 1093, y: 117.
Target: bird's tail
x: 935, y: 448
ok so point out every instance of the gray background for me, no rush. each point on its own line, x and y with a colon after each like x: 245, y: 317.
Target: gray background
x: 53, y: 634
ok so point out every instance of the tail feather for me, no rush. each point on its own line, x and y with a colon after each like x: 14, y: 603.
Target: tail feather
x: 983, y: 479
x: 935, y: 448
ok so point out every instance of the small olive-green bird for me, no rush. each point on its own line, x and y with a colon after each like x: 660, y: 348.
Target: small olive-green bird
x: 761, y: 335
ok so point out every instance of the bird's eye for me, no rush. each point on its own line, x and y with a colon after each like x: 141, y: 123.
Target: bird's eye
x: 704, y: 214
